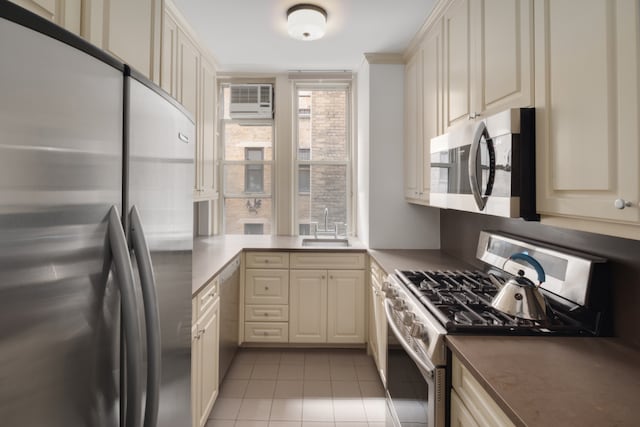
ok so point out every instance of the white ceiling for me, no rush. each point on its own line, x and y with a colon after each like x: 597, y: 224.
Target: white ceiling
x: 251, y: 35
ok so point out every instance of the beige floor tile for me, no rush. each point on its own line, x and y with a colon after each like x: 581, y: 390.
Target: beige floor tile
x: 378, y: 424
x: 248, y: 423
x: 239, y: 371
x: 292, y: 358
x: 343, y: 372
x: 260, y: 389
x: 268, y: 357
x: 371, y: 388
x: 245, y: 357
x: 350, y: 424
x: 341, y: 358
x: 286, y: 410
x: 291, y: 372
x: 225, y: 409
x: 317, y: 409
x: 265, y: 371
x: 349, y: 410
x: 375, y: 408
x: 345, y: 389
x: 363, y: 358
x: 233, y: 388
x: 254, y: 409
x: 367, y: 373
x: 220, y: 423
x: 320, y: 389
x: 317, y: 371
x: 317, y: 424
x: 285, y: 424
x: 286, y: 389
x: 316, y: 357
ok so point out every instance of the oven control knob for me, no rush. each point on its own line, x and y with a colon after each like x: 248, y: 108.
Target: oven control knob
x: 409, y: 318
x: 399, y: 304
x: 417, y: 330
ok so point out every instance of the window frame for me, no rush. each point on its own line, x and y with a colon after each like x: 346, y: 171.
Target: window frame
x: 257, y: 168
x: 346, y: 86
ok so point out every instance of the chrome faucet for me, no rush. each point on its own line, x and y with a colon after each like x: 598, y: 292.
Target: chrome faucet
x: 326, y: 215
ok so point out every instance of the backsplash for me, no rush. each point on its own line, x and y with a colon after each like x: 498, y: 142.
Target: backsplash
x: 459, y: 236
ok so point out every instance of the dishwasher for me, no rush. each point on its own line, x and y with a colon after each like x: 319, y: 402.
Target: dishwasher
x: 229, y: 312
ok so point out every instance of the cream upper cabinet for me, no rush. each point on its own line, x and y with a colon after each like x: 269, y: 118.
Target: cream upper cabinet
x: 502, y: 32
x: 345, y: 307
x: 206, y: 144
x: 487, y: 58
x: 308, y: 306
x: 457, y: 63
x: 188, y: 63
x: 65, y: 13
x: 131, y: 31
x: 587, y: 109
x: 413, y: 127
x: 169, y: 60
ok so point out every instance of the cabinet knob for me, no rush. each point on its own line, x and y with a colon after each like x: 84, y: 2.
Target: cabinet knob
x: 266, y: 314
x: 266, y: 261
x: 212, y: 294
x: 323, y: 277
x: 265, y: 333
x: 473, y: 116
x: 331, y: 277
x: 622, y: 203
x: 266, y: 288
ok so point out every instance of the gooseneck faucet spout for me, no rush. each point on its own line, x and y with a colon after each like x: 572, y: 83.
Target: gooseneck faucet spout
x: 326, y: 215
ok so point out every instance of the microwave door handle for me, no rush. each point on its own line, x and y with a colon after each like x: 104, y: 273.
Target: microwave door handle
x: 481, y: 131
x: 130, y: 323
x: 425, y: 365
x: 151, y: 315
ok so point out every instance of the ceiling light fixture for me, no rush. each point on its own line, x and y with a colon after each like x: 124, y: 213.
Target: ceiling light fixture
x: 306, y: 21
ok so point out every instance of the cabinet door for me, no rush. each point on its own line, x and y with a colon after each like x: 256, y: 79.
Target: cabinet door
x: 209, y: 342
x: 169, y: 59
x: 207, y: 130
x: 372, y: 325
x: 308, y: 306
x: 503, y: 66
x: 65, y: 13
x: 196, y: 379
x: 460, y: 415
x: 412, y: 125
x: 432, y: 101
x: 381, y: 329
x: 586, y: 73
x: 457, y: 65
x: 345, y: 308
x: 188, y: 73
x: 266, y: 286
x: 132, y: 32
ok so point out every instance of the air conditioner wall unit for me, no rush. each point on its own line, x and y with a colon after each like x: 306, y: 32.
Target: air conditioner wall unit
x: 251, y: 101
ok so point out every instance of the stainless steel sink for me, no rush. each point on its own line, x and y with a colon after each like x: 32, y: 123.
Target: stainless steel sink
x: 326, y: 243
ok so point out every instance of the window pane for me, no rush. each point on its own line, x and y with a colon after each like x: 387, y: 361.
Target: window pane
x: 242, y: 211
x: 304, y: 178
x: 240, y: 136
x: 328, y: 189
x: 323, y: 130
x: 240, y: 179
x: 304, y: 229
x: 254, y: 229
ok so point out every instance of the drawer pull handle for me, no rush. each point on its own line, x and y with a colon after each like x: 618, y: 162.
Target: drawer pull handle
x: 266, y: 288
x: 266, y: 314
x: 212, y: 294
x: 265, y: 333
x: 266, y: 261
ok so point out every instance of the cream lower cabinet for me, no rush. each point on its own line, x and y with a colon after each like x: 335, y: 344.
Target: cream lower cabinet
x: 587, y: 109
x: 266, y: 297
x: 378, y: 321
x: 471, y: 405
x: 205, y: 343
x: 327, y: 303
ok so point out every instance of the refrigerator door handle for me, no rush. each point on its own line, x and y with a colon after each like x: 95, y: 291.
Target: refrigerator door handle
x: 130, y: 322
x: 151, y: 315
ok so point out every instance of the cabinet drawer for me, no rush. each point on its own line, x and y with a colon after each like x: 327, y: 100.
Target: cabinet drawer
x: 267, y: 259
x: 376, y: 272
x: 266, y: 332
x: 481, y: 406
x: 335, y: 261
x: 266, y: 286
x: 207, y: 296
x: 266, y: 313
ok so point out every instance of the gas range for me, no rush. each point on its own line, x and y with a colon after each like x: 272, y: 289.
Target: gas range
x: 461, y: 301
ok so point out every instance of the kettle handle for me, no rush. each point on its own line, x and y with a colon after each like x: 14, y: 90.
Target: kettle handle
x: 531, y: 261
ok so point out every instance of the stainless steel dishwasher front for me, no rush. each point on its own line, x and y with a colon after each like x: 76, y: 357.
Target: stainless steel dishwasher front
x: 229, y: 313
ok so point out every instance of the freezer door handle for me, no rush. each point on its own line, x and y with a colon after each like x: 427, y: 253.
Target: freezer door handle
x: 151, y: 315
x: 130, y: 322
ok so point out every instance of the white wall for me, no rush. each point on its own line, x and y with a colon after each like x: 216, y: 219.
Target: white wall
x: 387, y: 220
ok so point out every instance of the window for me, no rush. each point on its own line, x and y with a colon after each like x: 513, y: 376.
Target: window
x: 254, y: 173
x: 246, y: 147
x: 323, y: 160
x: 254, y: 229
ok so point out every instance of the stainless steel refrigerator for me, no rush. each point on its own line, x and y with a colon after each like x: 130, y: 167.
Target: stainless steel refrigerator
x: 96, y: 171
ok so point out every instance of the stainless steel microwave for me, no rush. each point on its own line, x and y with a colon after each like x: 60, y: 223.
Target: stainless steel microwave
x: 487, y: 167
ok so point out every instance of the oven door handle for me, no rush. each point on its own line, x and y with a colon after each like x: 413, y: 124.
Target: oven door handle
x: 425, y: 365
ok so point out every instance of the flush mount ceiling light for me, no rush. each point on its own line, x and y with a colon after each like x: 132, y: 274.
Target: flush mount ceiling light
x: 306, y: 21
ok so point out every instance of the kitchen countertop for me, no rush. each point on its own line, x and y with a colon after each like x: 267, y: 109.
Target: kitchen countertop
x: 212, y: 254
x: 434, y: 259
x: 556, y: 381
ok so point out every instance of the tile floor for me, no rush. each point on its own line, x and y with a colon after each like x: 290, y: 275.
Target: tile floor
x: 300, y: 388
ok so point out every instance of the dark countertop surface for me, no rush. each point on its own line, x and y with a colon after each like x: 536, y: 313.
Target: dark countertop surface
x: 556, y: 381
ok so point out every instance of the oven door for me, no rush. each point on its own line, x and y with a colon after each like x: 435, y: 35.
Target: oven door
x: 415, y: 388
